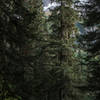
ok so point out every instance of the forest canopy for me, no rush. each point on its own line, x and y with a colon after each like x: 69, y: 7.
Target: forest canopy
x: 49, y: 50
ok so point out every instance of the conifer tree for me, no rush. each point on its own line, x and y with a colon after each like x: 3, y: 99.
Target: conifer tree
x: 90, y: 43
x: 63, y: 25
x: 19, y: 28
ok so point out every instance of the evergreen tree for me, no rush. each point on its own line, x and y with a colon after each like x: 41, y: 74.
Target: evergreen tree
x: 90, y: 42
x: 63, y: 31
x: 19, y: 28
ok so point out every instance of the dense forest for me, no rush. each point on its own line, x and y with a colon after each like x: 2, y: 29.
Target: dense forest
x: 49, y: 54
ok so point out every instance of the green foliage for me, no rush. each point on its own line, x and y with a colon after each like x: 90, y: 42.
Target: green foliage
x: 38, y: 61
x: 90, y: 41
x: 17, y: 33
x: 63, y: 20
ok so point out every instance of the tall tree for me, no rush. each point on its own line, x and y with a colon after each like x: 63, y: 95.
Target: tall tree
x: 19, y: 29
x: 90, y: 42
x: 63, y: 19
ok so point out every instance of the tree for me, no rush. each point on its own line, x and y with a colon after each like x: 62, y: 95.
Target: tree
x: 17, y: 33
x: 90, y: 42
x: 63, y: 19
